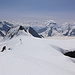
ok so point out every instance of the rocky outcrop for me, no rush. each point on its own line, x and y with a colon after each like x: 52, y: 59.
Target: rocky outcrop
x: 33, y: 32
x: 70, y: 54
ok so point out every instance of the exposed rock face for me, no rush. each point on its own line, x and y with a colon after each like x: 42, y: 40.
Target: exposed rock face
x: 15, y: 31
x: 4, y: 26
x: 1, y: 34
x: 33, y: 32
x: 70, y: 54
x: 22, y: 28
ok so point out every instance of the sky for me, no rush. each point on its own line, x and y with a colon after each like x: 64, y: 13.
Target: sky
x: 54, y: 9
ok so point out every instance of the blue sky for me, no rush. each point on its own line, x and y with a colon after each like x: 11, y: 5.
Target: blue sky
x: 52, y: 8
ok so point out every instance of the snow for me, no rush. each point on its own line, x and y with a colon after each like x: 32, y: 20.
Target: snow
x: 48, y: 28
x: 35, y: 56
x: 54, y: 29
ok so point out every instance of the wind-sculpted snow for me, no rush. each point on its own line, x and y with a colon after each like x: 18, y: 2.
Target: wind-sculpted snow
x: 27, y: 55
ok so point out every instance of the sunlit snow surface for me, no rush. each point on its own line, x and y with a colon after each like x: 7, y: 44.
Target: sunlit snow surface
x: 35, y: 56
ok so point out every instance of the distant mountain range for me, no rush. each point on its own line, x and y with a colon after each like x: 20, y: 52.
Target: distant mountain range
x: 50, y: 29
x: 8, y: 30
x: 53, y: 29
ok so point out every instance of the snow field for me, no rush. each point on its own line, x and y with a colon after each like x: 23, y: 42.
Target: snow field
x: 35, y: 56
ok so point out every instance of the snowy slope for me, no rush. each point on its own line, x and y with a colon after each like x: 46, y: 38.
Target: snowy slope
x: 35, y: 56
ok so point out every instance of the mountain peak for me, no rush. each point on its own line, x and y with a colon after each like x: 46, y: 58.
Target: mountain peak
x: 49, y: 22
x: 21, y: 30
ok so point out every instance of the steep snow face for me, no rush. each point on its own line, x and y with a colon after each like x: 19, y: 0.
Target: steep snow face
x: 35, y: 56
x: 4, y: 26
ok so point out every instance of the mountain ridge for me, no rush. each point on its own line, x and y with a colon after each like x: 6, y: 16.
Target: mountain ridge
x: 49, y: 29
x: 53, y: 29
x: 21, y: 30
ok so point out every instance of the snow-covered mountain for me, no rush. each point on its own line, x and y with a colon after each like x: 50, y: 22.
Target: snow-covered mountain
x: 27, y: 55
x: 50, y: 28
x: 68, y: 29
x: 21, y: 30
x: 53, y: 29
x: 4, y: 26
